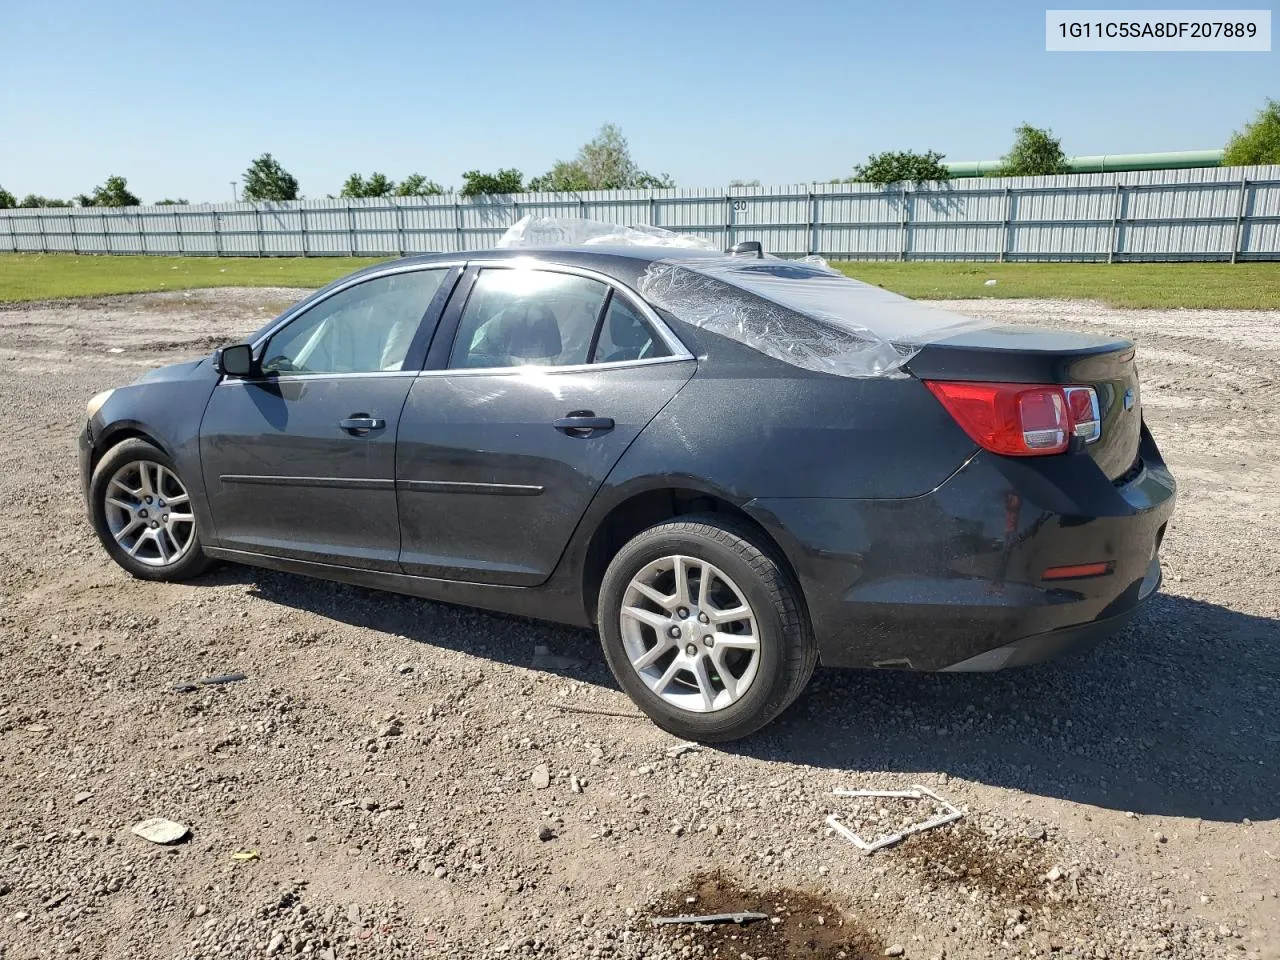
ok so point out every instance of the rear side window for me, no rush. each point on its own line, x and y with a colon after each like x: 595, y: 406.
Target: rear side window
x: 624, y: 335
x: 520, y: 317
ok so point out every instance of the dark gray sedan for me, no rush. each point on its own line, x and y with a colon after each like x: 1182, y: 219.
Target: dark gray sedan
x: 733, y: 466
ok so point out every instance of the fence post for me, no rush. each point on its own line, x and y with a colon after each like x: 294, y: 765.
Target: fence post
x: 75, y: 239
x: 217, y: 232
x: 906, y: 223
x: 653, y: 210
x: 457, y: 221
x: 142, y: 237
x: 13, y: 237
x: 728, y: 222
x: 257, y: 216
x: 399, y: 226
x: 177, y: 226
x: 302, y: 224
x: 1117, y: 206
x: 813, y: 225
x: 106, y: 232
x: 1240, y: 218
x: 351, y: 229
x: 1008, y: 221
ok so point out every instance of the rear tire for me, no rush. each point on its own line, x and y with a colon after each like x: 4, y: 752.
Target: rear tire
x: 141, y: 511
x: 724, y: 657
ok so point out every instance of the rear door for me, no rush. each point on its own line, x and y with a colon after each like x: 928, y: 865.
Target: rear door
x: 300, y: 462
x: 549, y: 377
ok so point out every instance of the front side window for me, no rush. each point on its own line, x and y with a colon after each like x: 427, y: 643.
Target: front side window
x: 518, y: 317
x: 366, y: 328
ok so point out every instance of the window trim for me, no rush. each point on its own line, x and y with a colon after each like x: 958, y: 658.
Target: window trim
x: 453, y: 317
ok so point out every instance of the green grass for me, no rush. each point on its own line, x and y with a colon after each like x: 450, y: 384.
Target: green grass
x: 36, y: 276
x: 1246, y: 286
x: 1251, y: 286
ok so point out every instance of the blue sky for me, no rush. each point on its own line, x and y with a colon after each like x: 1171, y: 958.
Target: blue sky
x: 179, y: 97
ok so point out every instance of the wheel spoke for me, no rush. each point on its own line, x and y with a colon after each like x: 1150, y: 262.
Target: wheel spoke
x: 681, y: 571
x: 654, y: 654
x: 666, y: 601
x: 704, y: 583
x: 737, y: 641
x: 117, y: 502
x: 158, y: 537
x: 741, y: 612
x: 133, y: 549
x: 117, y: 482
x: 728, y: 679
x: 659, y: 621
x: 181, y: 517
x: 702, y: 674
x: 144, y: 474
x: 127, y: 529
x: 179, y: 499
x: 661, y: 684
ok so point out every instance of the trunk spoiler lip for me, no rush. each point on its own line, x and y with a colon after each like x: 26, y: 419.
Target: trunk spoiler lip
x: 1025, y: 355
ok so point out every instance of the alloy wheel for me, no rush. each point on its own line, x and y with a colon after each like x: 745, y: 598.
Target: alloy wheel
x: 148, y: 512
x: 690, y: 634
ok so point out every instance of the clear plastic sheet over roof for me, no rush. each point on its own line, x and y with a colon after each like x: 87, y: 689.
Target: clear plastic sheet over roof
x: 802, y: 312
x: 531, y: 231
x: 799, y: 311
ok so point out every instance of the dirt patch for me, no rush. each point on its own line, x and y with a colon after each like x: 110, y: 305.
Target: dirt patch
x: 1004, y: 870
x: 800, y: 924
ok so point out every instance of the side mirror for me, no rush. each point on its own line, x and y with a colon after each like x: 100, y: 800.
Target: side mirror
x: 236, y: 361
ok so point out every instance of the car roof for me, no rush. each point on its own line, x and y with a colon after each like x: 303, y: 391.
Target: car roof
x: 621, y: 262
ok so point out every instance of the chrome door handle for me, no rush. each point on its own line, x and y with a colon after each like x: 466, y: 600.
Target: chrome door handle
x: 582, y: 423
x: 361, y: 425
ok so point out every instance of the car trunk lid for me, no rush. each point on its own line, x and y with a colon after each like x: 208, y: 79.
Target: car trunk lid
x: 1006, y: 354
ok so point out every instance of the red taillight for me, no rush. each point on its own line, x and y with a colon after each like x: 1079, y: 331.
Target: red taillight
x: 1019, y: 419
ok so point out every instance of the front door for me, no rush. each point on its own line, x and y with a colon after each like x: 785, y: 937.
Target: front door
x: 550, y: 378
x: 300, y: 462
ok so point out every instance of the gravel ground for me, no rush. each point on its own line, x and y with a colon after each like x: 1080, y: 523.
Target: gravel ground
x: 406, y: 779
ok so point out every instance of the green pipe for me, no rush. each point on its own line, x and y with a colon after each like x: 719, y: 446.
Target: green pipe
x: 1106, y: 163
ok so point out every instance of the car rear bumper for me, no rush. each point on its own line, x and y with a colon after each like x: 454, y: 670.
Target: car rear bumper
x: 1057, y: 643
x: 953, y: 580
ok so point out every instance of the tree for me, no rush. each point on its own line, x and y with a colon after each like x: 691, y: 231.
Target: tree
x: 166, y: 202
x: 898, y: 166
x: 1035, y: 153
x: 1258, y: 142
x: 31, y: 200
x: 603, y: 163
x: 507, y: 180
x: 376, y: 186
x: 113, y: 193
x: 7, y: 199
x: 416, y: 185
x: 567, y: 176
x: 644, y: 180
x: 267, y: 180
x: 744, y: 183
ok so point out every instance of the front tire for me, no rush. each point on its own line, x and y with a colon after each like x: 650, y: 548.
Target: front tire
x: 141, y: 511
x: 704, y: 628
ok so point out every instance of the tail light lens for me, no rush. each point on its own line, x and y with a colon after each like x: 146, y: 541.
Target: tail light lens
x: 1019, y: 419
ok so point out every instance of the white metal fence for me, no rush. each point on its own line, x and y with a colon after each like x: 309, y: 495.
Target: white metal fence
x: 1225, y: 213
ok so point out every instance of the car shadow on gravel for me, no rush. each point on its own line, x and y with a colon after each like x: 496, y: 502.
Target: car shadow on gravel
x: 1175, y: 716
